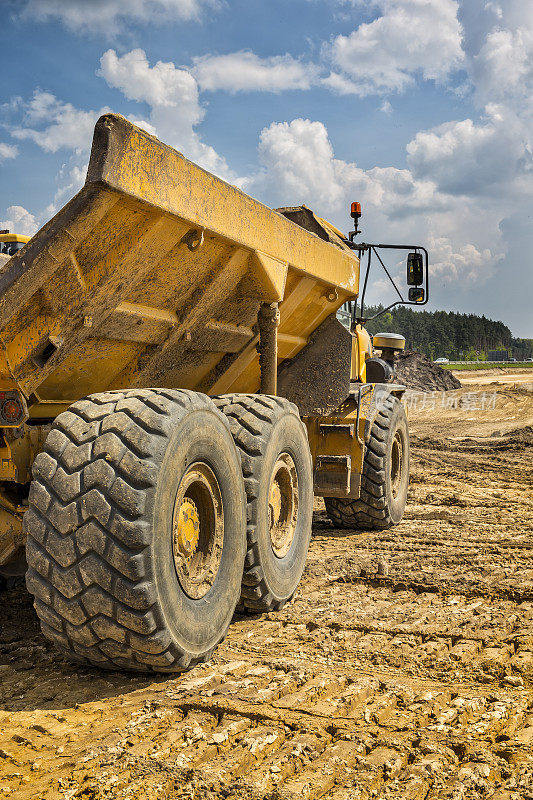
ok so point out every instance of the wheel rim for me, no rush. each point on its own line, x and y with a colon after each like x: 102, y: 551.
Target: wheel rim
x: 197, y: 530
x: 396, y: 464
x: 283, y: 505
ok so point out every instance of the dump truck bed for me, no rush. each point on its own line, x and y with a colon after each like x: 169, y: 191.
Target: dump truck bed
x: 152, y: 275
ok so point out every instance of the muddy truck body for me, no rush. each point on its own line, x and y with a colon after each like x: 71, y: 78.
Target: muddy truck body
x: 175, y: 387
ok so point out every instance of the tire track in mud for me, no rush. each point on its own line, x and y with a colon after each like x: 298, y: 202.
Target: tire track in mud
x: 364, y: 690
x: 402, y: 669
x: 244, y: 730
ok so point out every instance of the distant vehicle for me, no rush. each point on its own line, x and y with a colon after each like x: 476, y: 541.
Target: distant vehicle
x: 529, y: 360
x: 512, y: 361
x: 442, y: 361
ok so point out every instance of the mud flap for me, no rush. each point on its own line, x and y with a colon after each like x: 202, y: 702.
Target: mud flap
x: 333, y: 477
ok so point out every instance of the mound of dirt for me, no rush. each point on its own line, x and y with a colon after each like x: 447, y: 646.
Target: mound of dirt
x: 416, y: 371
x: 520, y: 437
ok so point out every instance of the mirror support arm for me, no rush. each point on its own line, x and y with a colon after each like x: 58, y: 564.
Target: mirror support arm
x: 364, y: 247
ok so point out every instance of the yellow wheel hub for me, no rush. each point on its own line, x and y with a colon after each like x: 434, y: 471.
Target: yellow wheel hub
x: 187, y: 531
x: 274, y: 503
x: 283, y: 503
x: 197, y: 530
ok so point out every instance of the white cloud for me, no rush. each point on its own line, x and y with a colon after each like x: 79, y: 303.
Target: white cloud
x: 340, y: 84
x: 495, y: 153
x: 18, y: 220
x: 163, y: 85
x: 245, y: 71
x: 58, y: 126
x: 172, y: 94
x: 69, y: 181
x: 501, y: 60
x: 504, y: 65
x: 146, y: 126
x: 109, y: 17
x: 473, y: 159
x: 54, y: 125
x: 410, y: 37
x: 453, y: 261
x: 478, y: 242
x: 298, y: 165
x: 8, y: 151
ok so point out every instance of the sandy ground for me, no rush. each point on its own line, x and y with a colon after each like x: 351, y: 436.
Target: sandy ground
x: 402, y: 669
x: 495, y: 376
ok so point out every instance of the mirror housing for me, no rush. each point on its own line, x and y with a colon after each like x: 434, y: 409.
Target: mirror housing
x: 416, y: 295
x: 415, y: 270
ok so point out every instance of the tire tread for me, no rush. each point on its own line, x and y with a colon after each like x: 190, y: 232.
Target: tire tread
x: 251, y: 418
x: 88, y: 538
x: 370, y: 511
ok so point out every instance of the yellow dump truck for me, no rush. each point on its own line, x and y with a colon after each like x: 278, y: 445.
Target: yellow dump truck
x: 174, y: 387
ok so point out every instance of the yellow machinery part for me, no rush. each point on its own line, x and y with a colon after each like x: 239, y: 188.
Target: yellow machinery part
x: 14, y: 237
x: 361, y: 350
x: 337, y: 446
x: 18, y: 449
x: 11, y: 534
x: 153, y: 275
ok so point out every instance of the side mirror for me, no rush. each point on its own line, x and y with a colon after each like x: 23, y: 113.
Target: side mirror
x: 416, y: 295
x: 415, y: 270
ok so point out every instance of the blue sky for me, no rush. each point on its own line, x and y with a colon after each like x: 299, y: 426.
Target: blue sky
x: 420, y: 109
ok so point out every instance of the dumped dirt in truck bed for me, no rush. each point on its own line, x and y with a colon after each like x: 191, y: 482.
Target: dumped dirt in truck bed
x: 416, y: 371
x: 402, y: 670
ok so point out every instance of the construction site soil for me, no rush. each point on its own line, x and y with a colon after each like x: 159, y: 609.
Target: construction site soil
x: 417, y: 371
x: 403, y: 668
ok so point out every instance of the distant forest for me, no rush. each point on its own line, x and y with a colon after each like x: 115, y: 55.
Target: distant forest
x: 447, y: 334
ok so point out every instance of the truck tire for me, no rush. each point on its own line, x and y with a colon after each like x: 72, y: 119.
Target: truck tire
x: 385, y: 477
x: 278, y: 478
x: 136, y: 530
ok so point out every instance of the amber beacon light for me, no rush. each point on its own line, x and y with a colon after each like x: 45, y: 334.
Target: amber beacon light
x: 355, y: 213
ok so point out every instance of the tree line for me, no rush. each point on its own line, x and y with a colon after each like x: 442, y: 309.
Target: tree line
x: 448, y: 334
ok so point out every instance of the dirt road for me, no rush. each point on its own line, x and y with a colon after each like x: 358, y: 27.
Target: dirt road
x: 403, y: 668
x: 497, y: 376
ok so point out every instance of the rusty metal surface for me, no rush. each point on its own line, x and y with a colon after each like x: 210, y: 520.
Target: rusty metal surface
x: 153, y: 275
